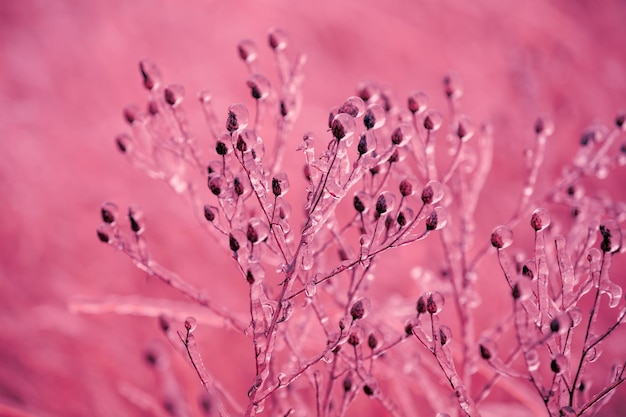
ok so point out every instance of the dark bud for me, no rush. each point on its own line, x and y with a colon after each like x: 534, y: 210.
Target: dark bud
x: 150, y: 358
x: 164, y: 324
x: 103, y: 236
x: 527, y: 272
x: 555, y: 325
x: 421, y: 305
x: 381, y: 204
x: 516, y: 292
x: 216, y: 184
x: 132, y: 114
x: 406, y: 188
x: 241, y: 145
x: 427, y: 195
x: 174, y: 94
x: 369, y: 120
x: 368, y: 390
x: 395, y: 157
x: 431, y: 221
x: 372, y: 342
x: 123, y: 142
x: 221, y: 148
x: 401, y: 219
x: 276, y: 187
x: 238, y: 186
x: 408, y: 329
x: 358, y: 204
x: 252, y: 234
x: 109, y: 212
x: 484, y: 352
x: 234, y: 245
x: 150, y: 73
x: 209, y: 213
x: 620, y: 119
x: 277, y: 39
x: 362, y: 146
x: 250, y: 277
x: 554, y: 366
x: 232, y: 124
x: 347, y: 383
x: 135, y: 215
x: 353, y: 339
x: 358, y: 310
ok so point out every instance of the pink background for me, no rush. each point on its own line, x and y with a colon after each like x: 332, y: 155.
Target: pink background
x: 68, y: 67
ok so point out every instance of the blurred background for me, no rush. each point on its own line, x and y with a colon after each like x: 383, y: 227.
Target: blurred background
x: 67, y: 68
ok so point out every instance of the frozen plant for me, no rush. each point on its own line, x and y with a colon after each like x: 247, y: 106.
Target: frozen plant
x: 384, y: 176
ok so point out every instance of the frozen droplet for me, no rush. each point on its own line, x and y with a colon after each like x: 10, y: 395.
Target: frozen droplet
x: 237, y: 119
x: 437, y: 218
x: 434, y: 302
x: 106, y: 233
x: 255, y: 273
x: 487, y: 348
x: 544, y: 125
x: 432, y: 192
x: 433, y: 120
x: 445, y: 335
x: 417, y: 102
x: 522, y: 289
x: 137, y: 220
x: 282, y: 379
x: 559, y: 364
x: 109, y: 212
x: 367, y: 143
x: 464, y: 128
x: 532, y: 360
x: 567, y: 411
x: 354, y: 106
x: 310, y: 289
x: 342, y: 126
x: 385, y: 202
x: 375, y: 117
x: 360, y: 308
x: 576, y: 315
x: 402, y: 134
x: 328, y: 356
x: 277, y: 39
x: 611, y: 236
x: 150, y: 73
x: 247, y: 50
x: 174, y: 94
x: 594, y: 353
x: 501, y: 237
x: 540, y: 219
x: 124, y: 143
x: 280, y: 184
x: 190, y: 324
x: 259, y: 85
